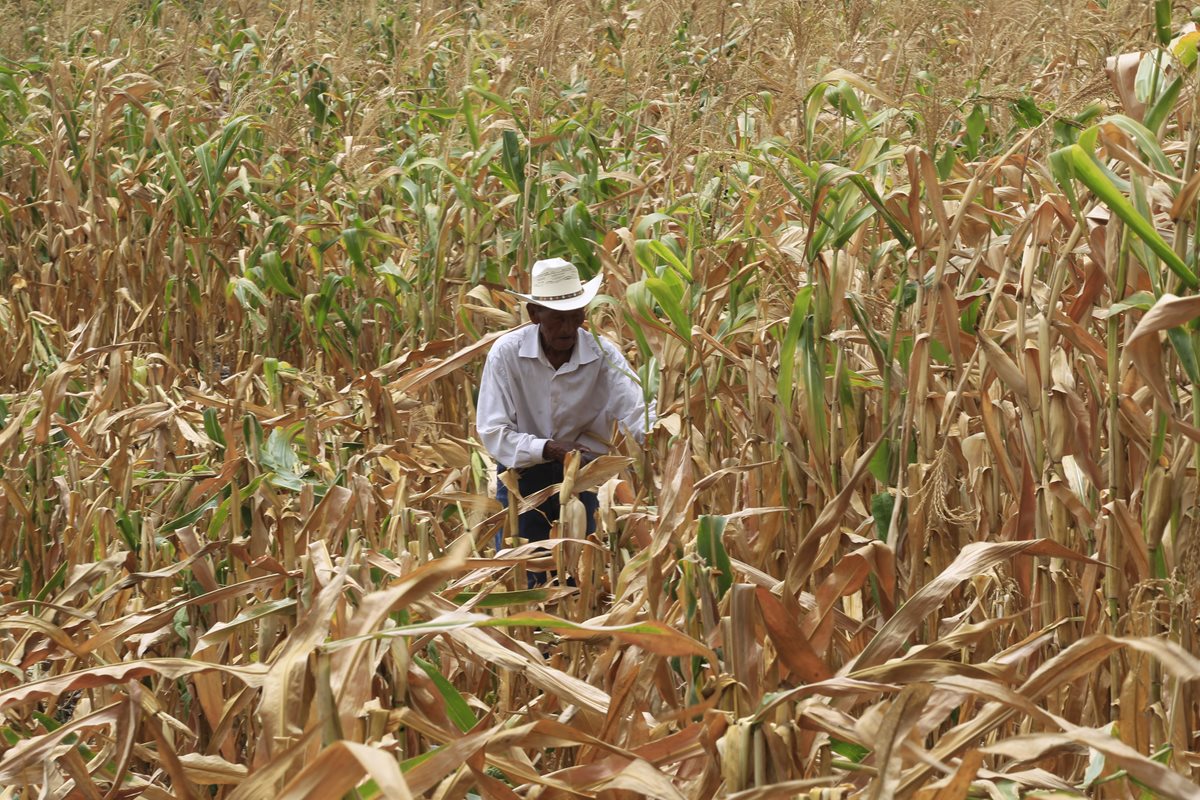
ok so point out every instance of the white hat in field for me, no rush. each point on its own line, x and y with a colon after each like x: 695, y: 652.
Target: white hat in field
x: 556, y: 285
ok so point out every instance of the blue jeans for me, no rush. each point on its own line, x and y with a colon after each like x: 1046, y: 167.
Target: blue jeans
x: 534, y: 524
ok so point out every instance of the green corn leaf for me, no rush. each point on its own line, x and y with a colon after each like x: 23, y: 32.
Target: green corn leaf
x: 786, y: 385
x: 277, y: 275
x: 945, y: 163
x: 874, y: 341
x: 882, y: 506
x: 252, y: 433
x: 277, y: 453
x: 1083, y: 166
x: 247, y: 292
x: 880, y: 464
x: 813, y: 376
x: 504, y: 599
x: 1182, y: 342
x: 579, y: 231
x: 708, y: 543
x: 55, y: 582
x: 635, y: 326
x: 850, y: 751
x: 834, y: 174
x: 456, y: 707
x: 49, y: 723
x: 464, y: 192
x: 660, y: 249
x: 688, y: 597
x: 499, y: 101
x: 1147, y: 82
x: 513, y: 160
x: 843, y: 98
x: 222, y: 513
x: 1145, y: 139
x: 208, y: 170
x: 467, y: 109
x: 813, y: 103
x: 192, y: 516
x: 1142, y: 301
x: 851, y: 225
x: 443, y: 113
x: 643, y: 229
x: 1141, y: 204
x: 1157, y: 114
x: 1060, y: 168
x: 352, y: 240
x: 405, y: 766
x: 185, y: 200
x: 976, y: 124
x: 128, y: 531
x: 670, y: 303
x: 212, y: 426
x: 1026, y: 112
x: 799, y: 196
x: 231, y: 137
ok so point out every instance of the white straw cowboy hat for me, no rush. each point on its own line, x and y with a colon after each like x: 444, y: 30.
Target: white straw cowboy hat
x: 556, y: 285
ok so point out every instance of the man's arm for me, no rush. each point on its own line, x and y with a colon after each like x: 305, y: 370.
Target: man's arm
x: 495, y: 420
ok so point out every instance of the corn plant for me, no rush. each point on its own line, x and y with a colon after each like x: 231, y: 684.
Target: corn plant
x: 918, y: 314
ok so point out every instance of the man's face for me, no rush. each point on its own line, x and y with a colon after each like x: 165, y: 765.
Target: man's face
x: 557, y: 328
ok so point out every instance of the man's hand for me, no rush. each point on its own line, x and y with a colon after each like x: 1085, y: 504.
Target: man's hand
x: 557, y: 449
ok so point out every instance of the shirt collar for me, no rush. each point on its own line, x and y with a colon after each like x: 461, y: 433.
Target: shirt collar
x: 586, y: 350
x: 529, y: 343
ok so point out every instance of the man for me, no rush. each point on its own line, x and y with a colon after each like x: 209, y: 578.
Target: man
x: 552, y: 388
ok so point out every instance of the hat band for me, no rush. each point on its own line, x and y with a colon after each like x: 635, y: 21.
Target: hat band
x: 536, y: 297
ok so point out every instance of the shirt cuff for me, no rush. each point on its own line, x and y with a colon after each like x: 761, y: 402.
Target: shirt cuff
x: 536, y: 448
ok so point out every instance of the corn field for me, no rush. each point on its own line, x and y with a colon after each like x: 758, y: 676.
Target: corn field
x: 914, y: 285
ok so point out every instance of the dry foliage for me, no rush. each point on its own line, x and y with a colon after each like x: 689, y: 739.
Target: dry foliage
x: 917, y: 306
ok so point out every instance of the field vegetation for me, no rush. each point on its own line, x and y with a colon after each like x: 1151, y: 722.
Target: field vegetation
x: 914, y: 283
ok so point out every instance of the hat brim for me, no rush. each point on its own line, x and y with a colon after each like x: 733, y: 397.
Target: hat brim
x: 590, y: 290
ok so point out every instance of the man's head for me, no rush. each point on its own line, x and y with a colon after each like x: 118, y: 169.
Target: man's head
x: 558, y: 329
x: 556, y: 286
x: 556, y: 303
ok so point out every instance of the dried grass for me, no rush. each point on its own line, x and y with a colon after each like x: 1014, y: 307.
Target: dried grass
x: 918, y: 522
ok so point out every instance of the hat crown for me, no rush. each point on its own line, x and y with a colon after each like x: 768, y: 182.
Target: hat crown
x: 555, y: 279
x: 556, y: 285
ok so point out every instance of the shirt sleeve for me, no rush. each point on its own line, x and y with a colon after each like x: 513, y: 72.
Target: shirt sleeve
x: 496, y: 419
x: 627, y: 402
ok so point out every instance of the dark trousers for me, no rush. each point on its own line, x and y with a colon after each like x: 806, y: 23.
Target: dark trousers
x: 534, y: 524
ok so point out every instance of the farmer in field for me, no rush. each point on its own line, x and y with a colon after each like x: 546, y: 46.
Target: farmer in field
x: 552, y: 388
